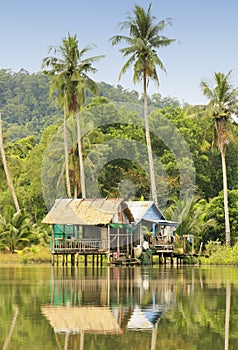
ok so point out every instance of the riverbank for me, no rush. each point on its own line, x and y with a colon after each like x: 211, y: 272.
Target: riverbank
x: 34, y: 255
x: 218, y: 255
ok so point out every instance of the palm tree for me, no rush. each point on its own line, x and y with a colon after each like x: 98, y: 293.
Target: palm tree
x: 143, y: 41
x: 15, y: 230
x: 223, y: 103
x: 71, y: 80
x: 4, y: 161
x: 59, y: 83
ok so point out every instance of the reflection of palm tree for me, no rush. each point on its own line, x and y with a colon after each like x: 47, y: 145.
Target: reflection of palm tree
x: 8, y: 338
x: 154, y: 335
x: 228, y: 308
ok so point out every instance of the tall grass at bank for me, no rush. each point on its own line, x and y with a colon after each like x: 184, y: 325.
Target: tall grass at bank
x: 221, y: 255
x: 33, y: 255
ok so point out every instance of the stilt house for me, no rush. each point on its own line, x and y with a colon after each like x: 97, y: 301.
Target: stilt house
x: 89, y: 226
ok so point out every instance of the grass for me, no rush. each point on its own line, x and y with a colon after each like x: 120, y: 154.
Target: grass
x: 218, y: 255
x: 33, y: 255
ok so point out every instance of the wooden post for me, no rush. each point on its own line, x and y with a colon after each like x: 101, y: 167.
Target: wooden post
x: 127, y: 242
x: 171, y: 259
x: 52, y: 259
x: 93, y: 256
x: 53, y: 238
x: 85, y: 260
x: 108, y: 244
x: 77, y: 259
x: 118, y: 241
x: 72, y: 259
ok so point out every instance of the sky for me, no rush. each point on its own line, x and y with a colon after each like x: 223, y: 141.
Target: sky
x: 205, y: 32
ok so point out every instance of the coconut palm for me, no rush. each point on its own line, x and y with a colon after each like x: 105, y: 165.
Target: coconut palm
x: 223, y: 103
x: 4, y: 161
x: 143, y: 41
x: 59, y: 84
x: 15, y: 230
x: 71, y: 80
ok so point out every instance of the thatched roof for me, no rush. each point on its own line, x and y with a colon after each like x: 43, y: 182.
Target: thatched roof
x: 88, y: 212
x: 81, y: 319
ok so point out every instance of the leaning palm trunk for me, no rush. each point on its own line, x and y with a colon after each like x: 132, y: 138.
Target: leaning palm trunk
x: 149, y: 149
x: 225, y: 191
x: 222, y: 139
x: 66, y: 155
x: 81, y: 167
x: 4, y: 161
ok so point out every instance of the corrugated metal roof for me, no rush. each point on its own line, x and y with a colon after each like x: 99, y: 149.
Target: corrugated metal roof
x: 81, y: 319
x: 146, y: 210
x: 87, y: 211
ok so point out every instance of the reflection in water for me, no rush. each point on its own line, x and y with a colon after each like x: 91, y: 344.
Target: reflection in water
x: 8, y: 338
x: 121, y: 298
x: 228, y: 308
x: 143, y: 308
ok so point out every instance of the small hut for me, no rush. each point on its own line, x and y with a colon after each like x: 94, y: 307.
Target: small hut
x: 149, y: 220
x: 151, y: 228
x: 83, y: 226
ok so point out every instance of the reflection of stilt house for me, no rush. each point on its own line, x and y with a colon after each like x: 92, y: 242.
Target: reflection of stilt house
x: 88, y: 227
x: 80, y: 320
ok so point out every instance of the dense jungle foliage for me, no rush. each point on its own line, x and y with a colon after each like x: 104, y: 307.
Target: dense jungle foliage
x: 114, y: 151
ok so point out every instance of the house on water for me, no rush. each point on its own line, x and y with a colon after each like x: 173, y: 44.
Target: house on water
x: 89, y: 227
x: 107, y: 226
x: 152, y: 229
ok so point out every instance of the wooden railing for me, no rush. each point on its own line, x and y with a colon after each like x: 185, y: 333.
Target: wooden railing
x: 164, y: 248
x: 79, y: 245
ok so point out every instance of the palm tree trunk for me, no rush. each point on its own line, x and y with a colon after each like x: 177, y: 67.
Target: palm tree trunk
x: 4, y: 161
x: 81, y: 166
x: 149, y: 149
x: 225, y: 191
x: 66, y: 154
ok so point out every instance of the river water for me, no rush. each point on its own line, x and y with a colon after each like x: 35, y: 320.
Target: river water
x: 86, y: 308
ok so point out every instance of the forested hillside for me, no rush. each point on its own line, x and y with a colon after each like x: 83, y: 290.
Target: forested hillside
x: 114, y: 151
x: 27, y: 109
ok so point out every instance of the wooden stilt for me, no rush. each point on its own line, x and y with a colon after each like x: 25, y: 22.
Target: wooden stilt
x: 85, y: 260
x: 161, y: 259
x: 72, y: 259
x: 171, y: 260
